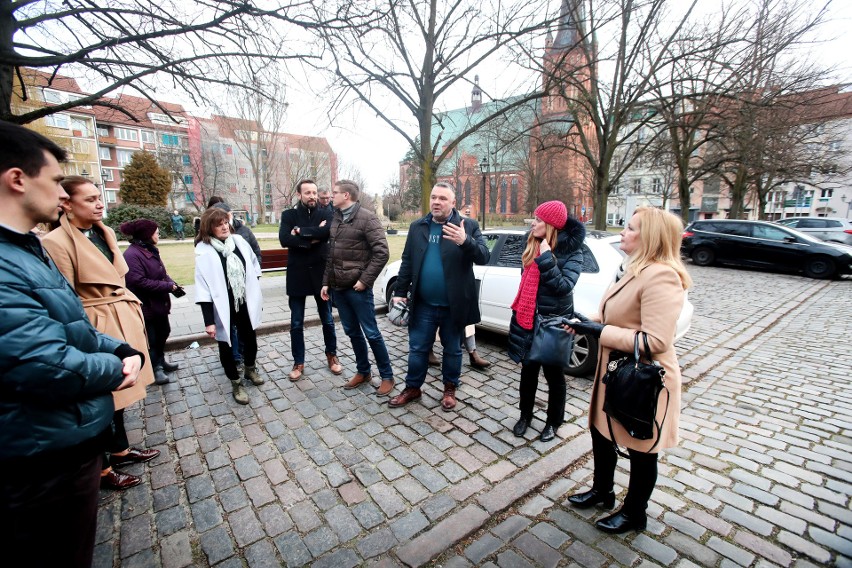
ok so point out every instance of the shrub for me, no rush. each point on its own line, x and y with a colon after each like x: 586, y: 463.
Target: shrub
x: 162, y: 216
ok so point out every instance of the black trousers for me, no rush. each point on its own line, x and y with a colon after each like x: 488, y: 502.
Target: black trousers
x: 248, y: 337
x: 48, y: 511
x: 643, y: 473
x: 158, y: 330
x: 555, y: 392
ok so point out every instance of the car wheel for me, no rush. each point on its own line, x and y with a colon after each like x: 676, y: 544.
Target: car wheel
x: 703, y: 256
x: 819, y: 267
x: 389, y: 291
x: 584, y: 358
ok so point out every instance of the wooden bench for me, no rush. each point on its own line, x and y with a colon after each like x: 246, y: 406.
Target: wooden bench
x: 273, y: 259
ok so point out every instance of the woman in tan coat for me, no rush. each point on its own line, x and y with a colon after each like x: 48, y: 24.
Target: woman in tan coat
x: 86, y: 252
x: 647, y: 296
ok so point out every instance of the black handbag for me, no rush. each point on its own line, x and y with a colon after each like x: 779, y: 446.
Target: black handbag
x: 633, y: 388
x: 551, y: 344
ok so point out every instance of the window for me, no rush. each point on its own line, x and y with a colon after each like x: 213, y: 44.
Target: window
x: 51, y: 96
x: 106, y: 175
x: 81, y: 126
x: 103, y: 131
x: 148, y: 136
x: 126, y: 134
x: 637, y: 185
x: 111, y: 195
x: 243, y: 172
x: 589, y: 262
x: 189, y: 197
x: 770, y: 233
x: 185, y: 159
x: 187, y: 179
x: 513, y: 248
x: 656, y: 185
x: 103, y: 153
x: 811, y: 224
x: 58, y: 121
x: 171, y: 140
x: 79, y: 146
x: 227, y: 149
x: 124, y: 157
x: 826, y: 192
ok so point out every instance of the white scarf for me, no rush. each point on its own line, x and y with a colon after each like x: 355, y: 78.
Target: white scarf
x: 235, y: 271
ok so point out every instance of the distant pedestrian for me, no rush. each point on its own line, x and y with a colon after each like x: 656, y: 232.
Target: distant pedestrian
x: 57, y: 373
x: 358, y: 251
x: 647, y: 296
x: 437, y: 270
x: 177, y: 224
x: 227, y: 288
x: 324, y: 199
x: 304, y: 231
x: 552, y: 262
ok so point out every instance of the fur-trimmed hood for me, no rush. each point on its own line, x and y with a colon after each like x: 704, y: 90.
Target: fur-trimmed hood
x: 570, y: 238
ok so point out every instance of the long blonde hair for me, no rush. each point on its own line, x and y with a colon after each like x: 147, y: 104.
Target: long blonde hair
x: 660, y: 234
x: 531, y: 251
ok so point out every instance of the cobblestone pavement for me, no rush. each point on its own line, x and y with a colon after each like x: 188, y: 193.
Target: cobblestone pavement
x: 310, y: 474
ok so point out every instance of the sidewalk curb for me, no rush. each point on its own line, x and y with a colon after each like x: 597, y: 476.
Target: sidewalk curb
x: 183, y: 341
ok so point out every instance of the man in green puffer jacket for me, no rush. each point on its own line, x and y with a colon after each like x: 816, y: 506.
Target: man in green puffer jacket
x: 57, y: 372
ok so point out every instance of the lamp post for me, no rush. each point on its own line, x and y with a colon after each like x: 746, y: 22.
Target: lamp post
x: 483, y: 167
x: 848, y: 202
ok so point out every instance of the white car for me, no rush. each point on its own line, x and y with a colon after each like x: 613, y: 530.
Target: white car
x: 499, y: 280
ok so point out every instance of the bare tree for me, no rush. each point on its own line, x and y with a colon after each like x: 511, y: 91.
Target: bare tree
x: 413, y: 54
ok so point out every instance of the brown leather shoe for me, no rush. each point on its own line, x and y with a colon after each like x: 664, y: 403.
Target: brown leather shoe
x: 297, y: 371
x: 433, y: 359
x: 358, y: 380
x: 385, y: 388
x: 334, y: 364
x: 448, y: 401
x: 119, y: 481
x: 134, y: 455
x: 477, y: 361
x: 403, y: 398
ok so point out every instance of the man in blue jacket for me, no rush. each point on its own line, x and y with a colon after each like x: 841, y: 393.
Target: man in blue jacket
x: 437, y: 269
x: 57, y: 372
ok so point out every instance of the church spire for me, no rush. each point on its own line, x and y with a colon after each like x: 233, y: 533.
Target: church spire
x: 571, y: 16
x: 475, y: 95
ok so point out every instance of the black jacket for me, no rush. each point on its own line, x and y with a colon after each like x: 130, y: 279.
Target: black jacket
x: 242, y: 230
x: 307, y: 251
x: 457, y: 261
x: 560, y: 269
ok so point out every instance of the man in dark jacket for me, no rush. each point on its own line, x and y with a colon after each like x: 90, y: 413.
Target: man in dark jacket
x: 304, y: 232
x: 437, y: 270
x: 241, y: 229
x: 358, y: 251
x: 57, y: 372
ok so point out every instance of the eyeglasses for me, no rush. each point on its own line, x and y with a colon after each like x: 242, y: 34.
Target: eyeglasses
x: 339, y: 192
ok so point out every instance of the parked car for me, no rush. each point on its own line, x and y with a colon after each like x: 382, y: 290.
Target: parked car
x: 760, y: 244
x: 831, y: 229
x: 499, y: 280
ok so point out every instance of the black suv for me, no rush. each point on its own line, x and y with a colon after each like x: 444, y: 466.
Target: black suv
x: 763, y: 245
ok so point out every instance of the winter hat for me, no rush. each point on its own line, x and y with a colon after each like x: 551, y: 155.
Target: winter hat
x: 553, y: 213
x: 139, y: 229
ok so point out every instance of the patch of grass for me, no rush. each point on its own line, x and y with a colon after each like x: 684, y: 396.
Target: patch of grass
x: 179, y: 257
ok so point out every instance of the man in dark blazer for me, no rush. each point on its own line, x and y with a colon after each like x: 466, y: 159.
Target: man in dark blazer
x: 304, y: 231
x: 437, y: 270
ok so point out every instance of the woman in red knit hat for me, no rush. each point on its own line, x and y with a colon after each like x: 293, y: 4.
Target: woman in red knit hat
x: 552, y: 262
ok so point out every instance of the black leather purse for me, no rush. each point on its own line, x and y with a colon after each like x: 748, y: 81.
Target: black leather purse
x: 633, y: 388
x: 551, y: 344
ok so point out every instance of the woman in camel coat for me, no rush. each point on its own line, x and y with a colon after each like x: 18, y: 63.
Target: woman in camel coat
x: 647, y: 296
x: 81, y: 247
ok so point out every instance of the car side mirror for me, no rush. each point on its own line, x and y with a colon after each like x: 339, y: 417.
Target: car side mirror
x: 791, y: 240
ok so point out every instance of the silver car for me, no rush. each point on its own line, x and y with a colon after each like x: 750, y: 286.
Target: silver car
x: 831, y: 229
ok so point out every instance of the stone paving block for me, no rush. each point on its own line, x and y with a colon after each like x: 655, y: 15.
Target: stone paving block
x: 533, y: 548
x: 368, y: 515
x: 387, y: 498
x: 456, y: 562
x: 438, y: 506
x: 162, y: 499
x: 763, y: 547
x: 746, y: 520
x: 810, y: 516
x: 511, y: 527
x: 289, y: 493
x: 510, y: 559
x: 304, y: 516
x: 135, y: 535
x: 247, y: 467
x: 804, y: 546
x: 443, y: 535
x: 274, y: 520
x: 832, y: 541
x: 690, y: 547
x: 578, y: 528
x: 175, y: 551
x: 550, y: 535
x: 409, y: 525
x: 429, y: 477
x: 205, y: 515
x: 499, y: 471
x: 234, y: 498
x: 622, y: 554
x: 292, y: 550
x: 390, y: 468
x: 464, y: 489
x: 481, y: 548
x: 712, y: 522
x: 245, y: 527
x: 343, y: 523
x: 261, y: 555
x: 366, y: 474
x: 377, y: 542
x: 217, y: 545
x: 170, y: 521
x: 341, y: 558
x: 320, y: 541
x: 738, y: 555
x: 198, y: 488
x: 535, y: 506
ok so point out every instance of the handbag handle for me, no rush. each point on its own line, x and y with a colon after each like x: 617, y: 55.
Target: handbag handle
x: 636, y: 348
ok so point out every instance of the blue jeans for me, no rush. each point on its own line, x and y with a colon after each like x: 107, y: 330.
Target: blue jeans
x: 297, y: 327
x: 358, y: 316
x: 425, y: 321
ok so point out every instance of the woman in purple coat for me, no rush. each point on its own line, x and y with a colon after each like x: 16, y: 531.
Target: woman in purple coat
x: 151, y: 283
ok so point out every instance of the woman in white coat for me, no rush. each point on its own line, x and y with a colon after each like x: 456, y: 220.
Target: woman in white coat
x: 227, y: 288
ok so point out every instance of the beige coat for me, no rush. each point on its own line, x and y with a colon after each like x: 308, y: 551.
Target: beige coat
x: 112, y: 308
x: 651, y: 303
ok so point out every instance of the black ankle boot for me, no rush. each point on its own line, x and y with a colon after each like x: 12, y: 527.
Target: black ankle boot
x: 521, y: 427
x: 592, y: 498
x: 621, y: 523
x: 548, y: 433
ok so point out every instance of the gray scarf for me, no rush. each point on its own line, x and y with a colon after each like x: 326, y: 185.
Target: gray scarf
x: 235, y: 271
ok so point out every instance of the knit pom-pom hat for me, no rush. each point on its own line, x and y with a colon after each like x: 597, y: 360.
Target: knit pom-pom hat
x: 553, y: 213
x: 139, y: 229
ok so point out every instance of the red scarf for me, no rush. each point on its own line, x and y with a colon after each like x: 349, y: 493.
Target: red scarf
x: 524, y: 304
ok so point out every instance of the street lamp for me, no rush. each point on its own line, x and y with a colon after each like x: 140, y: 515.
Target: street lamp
x: 848, y: 202
x: 483, y: 167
